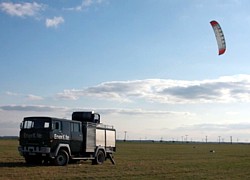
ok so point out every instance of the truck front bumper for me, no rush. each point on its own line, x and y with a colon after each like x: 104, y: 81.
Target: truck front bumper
x: 33, y: 150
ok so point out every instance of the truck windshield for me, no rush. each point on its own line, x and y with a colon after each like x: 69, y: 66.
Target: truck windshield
x: 36, y: 124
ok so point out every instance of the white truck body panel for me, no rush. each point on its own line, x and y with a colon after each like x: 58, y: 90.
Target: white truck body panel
x: 110, y: 138
x: 99, y: 136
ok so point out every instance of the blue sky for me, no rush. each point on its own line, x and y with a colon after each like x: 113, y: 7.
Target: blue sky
x: 150, y: 68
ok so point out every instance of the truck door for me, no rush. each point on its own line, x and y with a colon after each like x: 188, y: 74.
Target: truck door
x: 76, y: 137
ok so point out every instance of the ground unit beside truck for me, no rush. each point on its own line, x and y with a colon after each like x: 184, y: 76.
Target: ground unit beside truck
x: 60, y: 141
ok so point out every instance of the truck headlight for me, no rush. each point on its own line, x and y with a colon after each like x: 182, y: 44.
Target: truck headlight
x: 45, y: 150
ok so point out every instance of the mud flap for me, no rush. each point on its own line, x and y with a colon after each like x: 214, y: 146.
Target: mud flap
x: 111, y: 158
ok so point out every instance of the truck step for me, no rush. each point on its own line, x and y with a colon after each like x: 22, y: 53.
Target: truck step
x: 82, y: 158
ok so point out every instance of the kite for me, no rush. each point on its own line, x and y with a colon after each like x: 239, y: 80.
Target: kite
x: 219, y: 37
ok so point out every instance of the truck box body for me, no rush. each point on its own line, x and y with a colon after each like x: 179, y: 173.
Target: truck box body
x: 98, y: 135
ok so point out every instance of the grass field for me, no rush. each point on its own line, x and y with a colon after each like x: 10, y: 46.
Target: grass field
x: 135, y: 160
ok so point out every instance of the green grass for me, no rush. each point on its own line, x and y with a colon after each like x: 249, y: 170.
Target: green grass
x: 135, y: 160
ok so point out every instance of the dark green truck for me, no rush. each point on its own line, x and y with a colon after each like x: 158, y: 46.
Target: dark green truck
x: 60, y: 141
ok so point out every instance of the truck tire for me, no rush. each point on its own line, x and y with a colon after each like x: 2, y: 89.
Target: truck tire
x: 100, y: 158
x: 62, y: 158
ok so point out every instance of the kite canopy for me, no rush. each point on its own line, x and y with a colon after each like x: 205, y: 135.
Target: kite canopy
x: 219, y: 37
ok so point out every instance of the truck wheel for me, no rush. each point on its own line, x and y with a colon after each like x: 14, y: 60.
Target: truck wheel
x: 62, y: 158
x: 100, y: 158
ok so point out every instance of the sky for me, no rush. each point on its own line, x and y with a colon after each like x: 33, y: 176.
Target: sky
x: 149, y: 67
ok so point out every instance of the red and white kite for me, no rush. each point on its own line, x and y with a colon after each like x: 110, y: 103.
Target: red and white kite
x: 219, y: 37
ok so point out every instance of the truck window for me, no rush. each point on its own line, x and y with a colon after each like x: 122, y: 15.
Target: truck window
x: 58, y: 126
x: 46, y: 125
x: 36, y: 123
x: 75, y: 127
x: 28, y: 124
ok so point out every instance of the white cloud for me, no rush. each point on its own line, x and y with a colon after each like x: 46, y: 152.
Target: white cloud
x: 222, y: 90
x: 11, y: 93
x: 85, y: 4
x: 33, y: 108
x: 32, y: 97
x: 142, y: 112
x: 21, y: 9
x: 54, y: 22
x: 28, y: 9
x: 43, y: 108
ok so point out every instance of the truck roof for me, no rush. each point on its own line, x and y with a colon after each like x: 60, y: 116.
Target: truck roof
x: 48, y: 118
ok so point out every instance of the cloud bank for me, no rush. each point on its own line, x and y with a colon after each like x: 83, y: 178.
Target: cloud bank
x: 227, y: 89
x: 135, y: 112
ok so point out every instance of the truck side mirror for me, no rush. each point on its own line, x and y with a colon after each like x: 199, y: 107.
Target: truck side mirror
x: 21, y: 125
